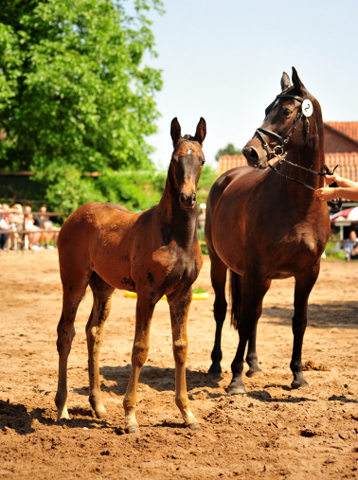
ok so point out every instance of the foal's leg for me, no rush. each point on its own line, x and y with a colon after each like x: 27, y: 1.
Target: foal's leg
x: 254, y: 290
x: 72, y: 296
x: 179, y: 309
x: 218, y: 280
x: 304, y: 285
x: 144, y: 313
x: 102, y: 299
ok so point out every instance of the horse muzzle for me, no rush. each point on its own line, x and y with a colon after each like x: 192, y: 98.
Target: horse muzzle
x: 256, y: 156
x: 187, y: 202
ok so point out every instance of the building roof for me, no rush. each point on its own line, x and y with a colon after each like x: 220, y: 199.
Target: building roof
x: 348, y: 129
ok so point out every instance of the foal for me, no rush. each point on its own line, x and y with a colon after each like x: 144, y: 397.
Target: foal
x: 154, y: 252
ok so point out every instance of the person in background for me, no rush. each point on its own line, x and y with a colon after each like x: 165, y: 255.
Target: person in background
x: 201, y: 216
x: 350, y: 244
x: 42, y: 221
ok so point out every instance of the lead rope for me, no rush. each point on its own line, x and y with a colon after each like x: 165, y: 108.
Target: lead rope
x: 335, y: 203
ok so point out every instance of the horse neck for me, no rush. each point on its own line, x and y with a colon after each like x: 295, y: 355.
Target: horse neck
x: 175, y: 223
x: 310, y: 156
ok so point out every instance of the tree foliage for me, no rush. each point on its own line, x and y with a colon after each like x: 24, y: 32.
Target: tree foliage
x: 228, y: 150
x: 75, y: 96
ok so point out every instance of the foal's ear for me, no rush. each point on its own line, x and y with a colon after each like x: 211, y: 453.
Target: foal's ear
x: 297, y: 82
x: 285, y: 81
x: 175, y: 131
x: 200, y: 131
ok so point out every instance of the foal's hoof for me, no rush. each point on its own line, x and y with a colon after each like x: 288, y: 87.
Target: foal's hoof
x: 193, y: 426
x: 100, y: 411
x: 254, y: 373
x: 132, y: 429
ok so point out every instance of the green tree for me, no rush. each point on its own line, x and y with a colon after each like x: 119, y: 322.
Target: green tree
x: 228, y: 150
x: 74, y: 93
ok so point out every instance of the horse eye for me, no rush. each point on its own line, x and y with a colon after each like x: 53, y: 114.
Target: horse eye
x: 286, y: 112
x: 203, y: 163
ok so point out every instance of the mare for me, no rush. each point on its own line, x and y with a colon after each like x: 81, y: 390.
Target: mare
x: 153, y: 252
x: 266, y: 223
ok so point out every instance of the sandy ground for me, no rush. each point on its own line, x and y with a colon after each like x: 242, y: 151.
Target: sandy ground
x: 272, y: 432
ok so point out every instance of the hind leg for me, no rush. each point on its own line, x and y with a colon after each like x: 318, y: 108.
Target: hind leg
x: 218, y: 280
x: 102, y: 299
x: 304, y: 285
x: 72, y: 297
x: 254, y: 290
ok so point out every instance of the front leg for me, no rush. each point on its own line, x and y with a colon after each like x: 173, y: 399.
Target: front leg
x: 179, y: 308
x: 144, y: 313
x: 304, y: 285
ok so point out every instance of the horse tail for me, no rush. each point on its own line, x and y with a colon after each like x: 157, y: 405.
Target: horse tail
x: 235, y: 294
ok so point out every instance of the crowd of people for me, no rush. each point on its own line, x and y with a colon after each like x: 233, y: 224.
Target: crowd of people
x: 19, y: 227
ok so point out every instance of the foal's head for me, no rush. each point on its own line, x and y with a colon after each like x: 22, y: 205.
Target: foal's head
x: 290, y: 122
x: 186, y: 163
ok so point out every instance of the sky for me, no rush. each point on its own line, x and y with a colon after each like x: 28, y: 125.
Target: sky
x: 223, y: 60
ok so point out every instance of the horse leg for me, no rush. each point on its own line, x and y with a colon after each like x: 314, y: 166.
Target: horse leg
x: 253, y: 292
x: 144, y: 313
x: 179, y: 309
x: 72, y: 295
x: 218, y: 280
x: 251, y: 356
x: 102, y: 299
x: 236, y: 295
x: 304, y: 285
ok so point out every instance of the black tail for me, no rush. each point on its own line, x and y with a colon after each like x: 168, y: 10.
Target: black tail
x: 235, y: 293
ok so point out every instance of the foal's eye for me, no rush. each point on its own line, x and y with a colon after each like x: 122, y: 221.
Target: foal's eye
x: 203, y: 163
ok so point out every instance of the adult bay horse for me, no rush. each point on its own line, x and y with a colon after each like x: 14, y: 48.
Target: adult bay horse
x: 266, y: 223
x: 154, y: 252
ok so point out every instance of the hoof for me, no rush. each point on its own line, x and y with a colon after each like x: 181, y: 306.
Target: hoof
x: 213, y: 375
x: 193, y: 426
x: 63, y: 415
x: 236, y: 390
x: 254, y: 373
x: 100, y: 413
x: 132, y: 429
x: 299, y: 384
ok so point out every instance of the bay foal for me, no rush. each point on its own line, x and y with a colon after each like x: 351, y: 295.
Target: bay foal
x: 154, y: 252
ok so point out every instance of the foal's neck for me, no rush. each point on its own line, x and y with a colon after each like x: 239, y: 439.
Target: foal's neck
x: 175, y: 223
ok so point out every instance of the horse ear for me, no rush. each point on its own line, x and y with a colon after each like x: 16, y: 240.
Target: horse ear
x: 297, y: 82
x: 175, y: 131
x: 200, y: 131
x: 285, y: 81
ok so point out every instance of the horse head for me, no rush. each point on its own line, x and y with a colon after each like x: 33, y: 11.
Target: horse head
x: 290, y: 122
x: 186, y: 162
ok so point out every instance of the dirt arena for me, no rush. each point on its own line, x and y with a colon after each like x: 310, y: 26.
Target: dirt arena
x: 270, y: 433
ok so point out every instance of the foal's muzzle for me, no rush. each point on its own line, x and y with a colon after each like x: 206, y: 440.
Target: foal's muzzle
x: 187, y: 202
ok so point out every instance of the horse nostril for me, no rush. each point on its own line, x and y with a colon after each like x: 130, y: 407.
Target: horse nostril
x: 187, y: 201
x: 251, y: 154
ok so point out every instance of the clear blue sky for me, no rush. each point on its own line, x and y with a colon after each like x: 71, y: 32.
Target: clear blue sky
x: 223, y: 60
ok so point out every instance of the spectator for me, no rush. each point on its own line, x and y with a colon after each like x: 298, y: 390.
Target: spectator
x: 42, y: 221
x: 201, y: 216
x: 350, y: 244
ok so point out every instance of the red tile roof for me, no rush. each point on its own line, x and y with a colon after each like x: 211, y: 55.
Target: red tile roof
x: 349, y: 129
